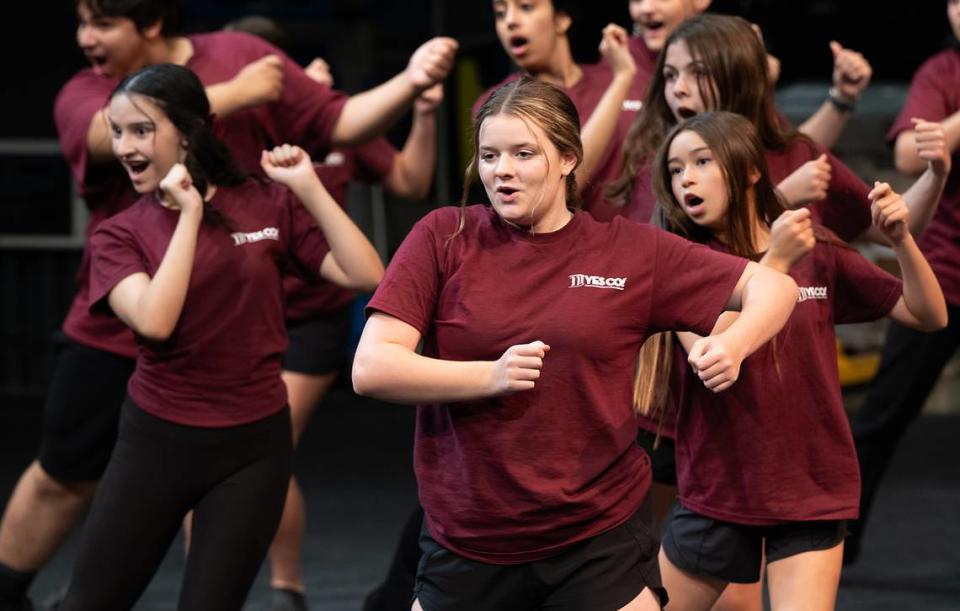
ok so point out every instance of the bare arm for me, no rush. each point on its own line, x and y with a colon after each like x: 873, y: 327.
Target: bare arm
x: 922, y: 305
x: 600, y: 127
x: 386, y: 366
x: 412, y: 170
x: 765, y: 299
x: 152, y: 306
x: 352, y: 261
x: 851, y: 75
x: 906, y: 153
x: 369, y: 114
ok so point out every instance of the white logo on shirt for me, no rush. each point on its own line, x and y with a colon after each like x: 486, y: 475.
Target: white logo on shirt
x: 267, y: 233
x: 632, y: 105
x: 812, y: 292
x: 597, y: 282
x: 334, y: 159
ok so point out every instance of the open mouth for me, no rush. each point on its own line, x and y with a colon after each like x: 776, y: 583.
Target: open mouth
x: 136, y: 168
x: 507, y: 193
x: 652, y: 26
x: 518, y: 45
x: 693, y: 203
x: 686, y: 113
x: 97, y: 61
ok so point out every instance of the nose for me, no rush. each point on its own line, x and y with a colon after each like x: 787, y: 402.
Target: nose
x: 645, y: 7
x: 686, y: 177
x: 122, y: 144
x: 510, y: 15
x: 85, y: 36
x: 680, y: 85
x: 504, y: 167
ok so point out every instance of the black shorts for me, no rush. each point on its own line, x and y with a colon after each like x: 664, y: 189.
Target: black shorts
x: 733, y: 552
x: 82, y: 410
x: 318, y: 345
x: 602, y: 573
x: 663, y: 459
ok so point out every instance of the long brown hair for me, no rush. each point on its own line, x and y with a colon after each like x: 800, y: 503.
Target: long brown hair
x: 542, y: 104
x: 735, y: 80
x: 737, y: 149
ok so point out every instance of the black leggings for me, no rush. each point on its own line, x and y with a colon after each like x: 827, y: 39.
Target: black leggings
x: 235, y: 481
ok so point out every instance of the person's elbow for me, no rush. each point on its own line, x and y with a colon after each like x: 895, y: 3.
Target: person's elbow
x: 368, y: 281
x: 154, y: 329
x: 905, y: 157
x: 936, y: 320
x: 364, y: 375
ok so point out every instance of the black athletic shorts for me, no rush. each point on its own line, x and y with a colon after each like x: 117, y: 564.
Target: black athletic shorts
x: 663, y: 459
x: 318, y: 345
x: 602, y: 573
x: 733, y: 552
x: 82, y: 410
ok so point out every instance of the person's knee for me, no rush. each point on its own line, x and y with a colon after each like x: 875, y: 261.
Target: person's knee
x: 49, y: 489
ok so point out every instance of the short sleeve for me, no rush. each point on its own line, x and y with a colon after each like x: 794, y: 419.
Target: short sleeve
x: 411, y: 286
x: 862, y: 291
x: 692, y: 284
x: 307, y: 111
x: 927, y: 98
x: 374, y: 160
x: 115, y: 254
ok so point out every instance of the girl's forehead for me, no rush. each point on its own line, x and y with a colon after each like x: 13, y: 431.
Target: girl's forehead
x: 132, y: 106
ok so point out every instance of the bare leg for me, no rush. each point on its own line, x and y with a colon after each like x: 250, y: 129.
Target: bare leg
x: 807, y: 581
x: 39, y: 516
x: 688, y: 592
x: 304, y: 392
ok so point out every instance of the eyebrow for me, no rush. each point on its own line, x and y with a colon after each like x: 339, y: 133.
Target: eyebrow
x: 696, y: 150
x: 516, y: 146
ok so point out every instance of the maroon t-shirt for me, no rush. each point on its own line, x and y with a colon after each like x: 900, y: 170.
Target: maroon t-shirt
x: 776, y: 446
x: 221, y: 365
x: 585, y: 95
x: 935, y: 95
x: 517, y: 478
x: 305, y: 114
x: 369, y: 163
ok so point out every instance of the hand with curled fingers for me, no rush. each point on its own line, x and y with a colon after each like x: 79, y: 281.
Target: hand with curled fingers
x: 178, y: 192
x: 319, y: 71
x: 431, y: 62
x: 428, y: 101
x: 932, y: 145
x: 716, y: 363
x: 260, y: 81
x: 791, y: 238
x: 890, y: 213
x: 809, y: 183
x: 851, y: 72
x: 519, y: 368
x: 614, y: 48
x: 288, y: 165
